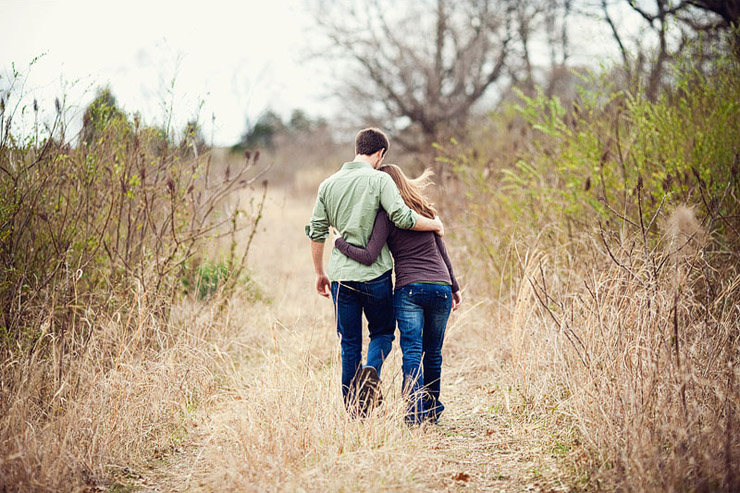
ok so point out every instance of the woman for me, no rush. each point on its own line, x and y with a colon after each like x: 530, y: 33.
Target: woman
x: 425, y: 293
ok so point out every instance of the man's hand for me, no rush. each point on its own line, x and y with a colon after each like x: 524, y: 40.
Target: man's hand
x: 440, y: 227
x: 322, y: 281
x: 456, y: 300
x: 423, y: 223
x: 323, y: 286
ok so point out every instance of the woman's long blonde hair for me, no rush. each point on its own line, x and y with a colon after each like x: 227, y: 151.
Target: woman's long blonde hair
x: 412, y: 191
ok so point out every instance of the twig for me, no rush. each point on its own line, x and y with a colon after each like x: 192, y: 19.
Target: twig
x: 606, y: 245
x: 560, y: 325
x: 620, y: 216
x: 235, y: 275
x: 643, y: 230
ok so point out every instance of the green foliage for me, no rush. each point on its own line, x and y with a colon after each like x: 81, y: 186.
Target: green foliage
x: 205, y: 278
x: 615, y: 224
x: 547, y: 172
x: 84, y: 226
x: 102, y: 112
x: 263, y: 132
x: 270, y: 126
x: 684, y: 146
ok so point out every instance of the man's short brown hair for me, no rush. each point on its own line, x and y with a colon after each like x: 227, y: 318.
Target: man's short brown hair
x: 371, y: 140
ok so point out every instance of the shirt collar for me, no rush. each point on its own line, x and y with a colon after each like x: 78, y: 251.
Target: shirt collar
x: 356, y: 165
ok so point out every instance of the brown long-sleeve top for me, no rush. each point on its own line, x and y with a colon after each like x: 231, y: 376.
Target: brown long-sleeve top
x: 419, y: 256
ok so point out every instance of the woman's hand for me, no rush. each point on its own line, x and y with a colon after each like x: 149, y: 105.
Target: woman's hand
x: 336, y: 237
x: 456, y: 300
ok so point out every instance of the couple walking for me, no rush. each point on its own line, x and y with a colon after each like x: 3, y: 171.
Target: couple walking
x: 378, y: 211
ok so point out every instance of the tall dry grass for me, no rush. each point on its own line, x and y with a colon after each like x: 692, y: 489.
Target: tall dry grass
x: 280, y: 423
x: 102, y: 353
x: 647, y: 364
x: 599, y: 337
x: 610, y: 244
x: 118, y: 405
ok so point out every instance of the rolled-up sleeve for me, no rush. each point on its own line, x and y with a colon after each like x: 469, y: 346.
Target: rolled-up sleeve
x: 390, y: 198
x: 318, y: 228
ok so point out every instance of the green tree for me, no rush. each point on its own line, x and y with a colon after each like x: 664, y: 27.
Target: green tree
x: 193, y: 139
x: 263, y: 132
x: 102, y: 111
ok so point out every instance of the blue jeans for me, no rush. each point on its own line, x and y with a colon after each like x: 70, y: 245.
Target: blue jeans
x: 375, y: 299
x: 422, y: 311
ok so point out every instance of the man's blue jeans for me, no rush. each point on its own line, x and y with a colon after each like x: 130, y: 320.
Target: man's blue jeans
x: 375, y: 299
x: 422, y: 311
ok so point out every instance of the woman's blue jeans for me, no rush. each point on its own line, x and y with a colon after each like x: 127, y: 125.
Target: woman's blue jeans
x: 422, y: 311
x: 375, y: 299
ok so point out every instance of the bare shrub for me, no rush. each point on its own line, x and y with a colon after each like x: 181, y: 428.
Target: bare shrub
x: 649, y: 362
x: 610, y: 240
x: 95, y: 364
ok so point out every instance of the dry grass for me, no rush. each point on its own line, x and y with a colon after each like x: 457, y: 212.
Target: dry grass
x: 100, y: 355
x: 636, y: 348
x: 653, y: 386
x: 618, y: 277
x: 279, y: 424
x: 101, y: 418
x: 243, y: 393
x: 582, y: 358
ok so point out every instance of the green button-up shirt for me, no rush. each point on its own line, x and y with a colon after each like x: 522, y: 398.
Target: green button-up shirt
x: 349, y: 201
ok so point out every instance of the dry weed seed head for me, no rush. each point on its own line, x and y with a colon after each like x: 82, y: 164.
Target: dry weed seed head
x: 58, y: 106
x: 684, y: 232
x: 699, y: 179
x: 667, y: 183
x: 683, y: 222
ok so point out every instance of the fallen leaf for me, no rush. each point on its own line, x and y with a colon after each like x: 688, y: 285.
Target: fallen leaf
x: 461, y: 476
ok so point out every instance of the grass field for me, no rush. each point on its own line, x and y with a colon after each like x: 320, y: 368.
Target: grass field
x: 277, y: 422
x: 161, y: 332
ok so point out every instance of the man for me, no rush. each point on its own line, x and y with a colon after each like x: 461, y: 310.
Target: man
x: 349, y: 200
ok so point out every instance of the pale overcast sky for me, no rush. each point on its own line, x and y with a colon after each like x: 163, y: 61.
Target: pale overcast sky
x: 239, y: 58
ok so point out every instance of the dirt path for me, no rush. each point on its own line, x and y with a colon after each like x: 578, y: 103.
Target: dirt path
x: 487, y: 439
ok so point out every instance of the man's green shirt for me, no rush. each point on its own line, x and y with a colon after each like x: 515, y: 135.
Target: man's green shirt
x: 349, y: 201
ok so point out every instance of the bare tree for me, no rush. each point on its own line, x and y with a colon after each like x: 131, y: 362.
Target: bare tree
x: 537, y: 22
x: 556, y: 24
x: 427, y: 64
x: 728, y: 11
x: 527, y: 15
x: 673, y: 25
